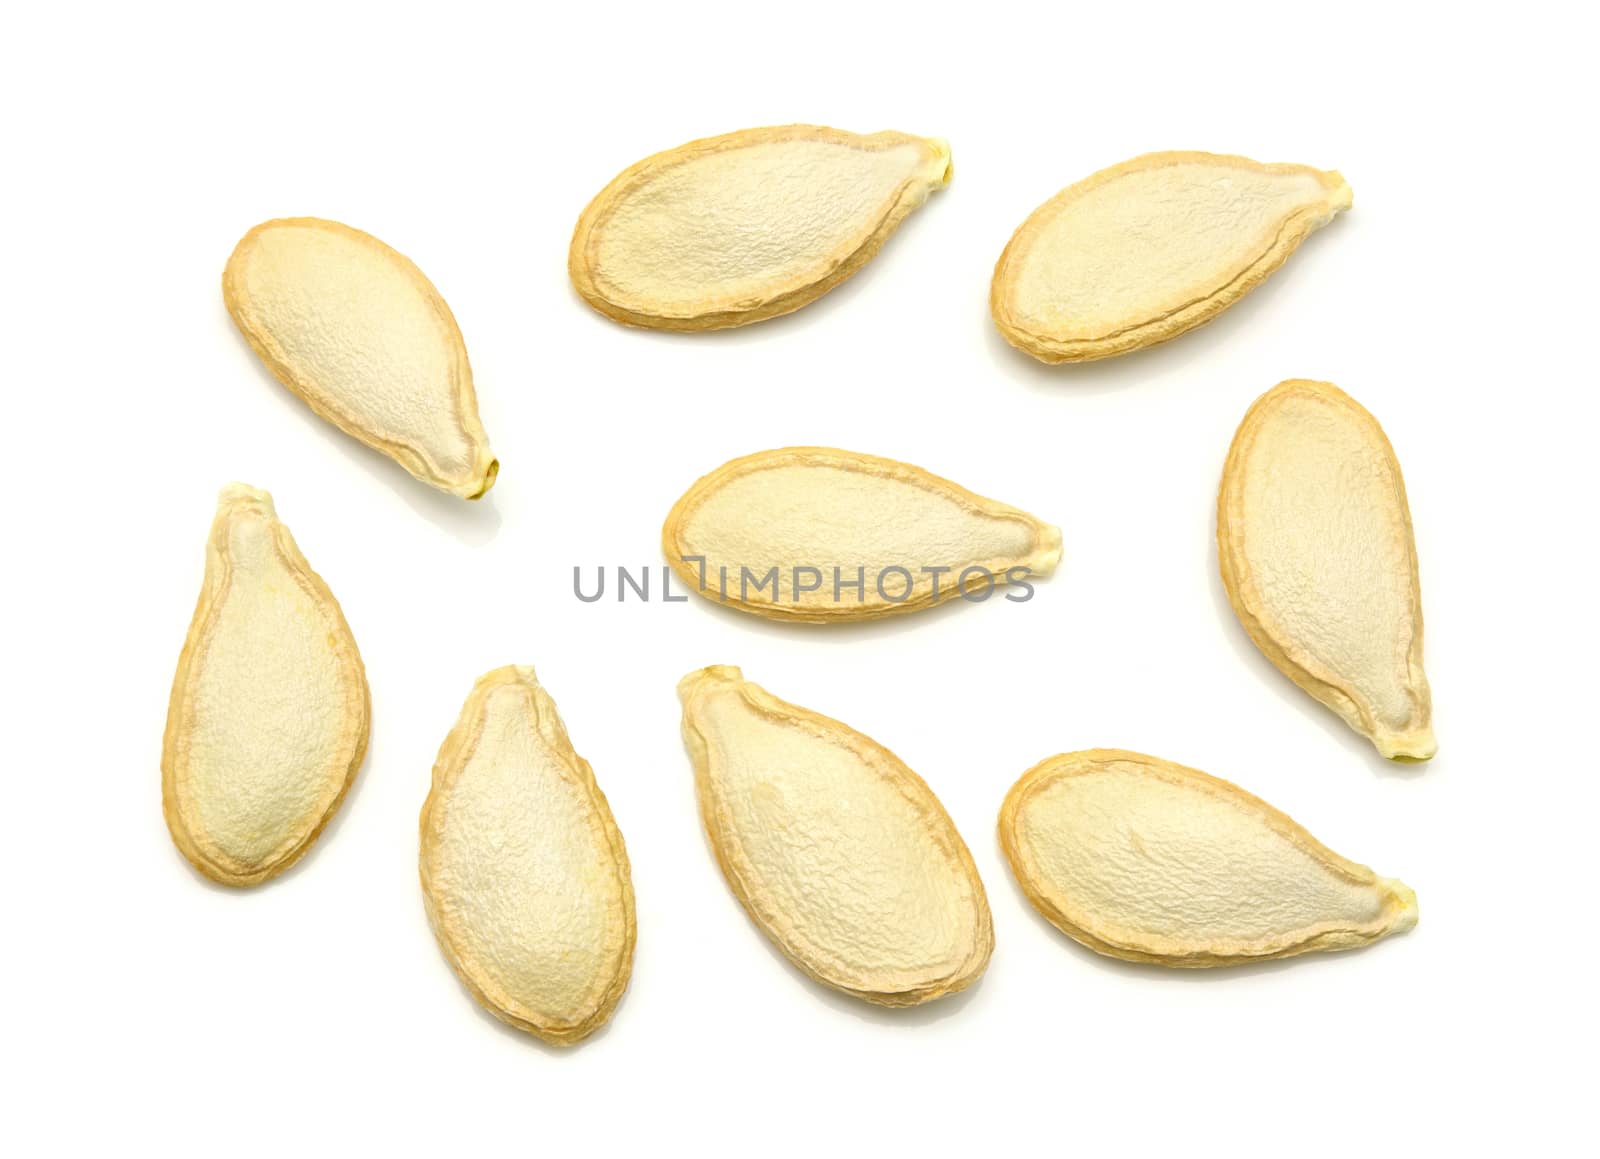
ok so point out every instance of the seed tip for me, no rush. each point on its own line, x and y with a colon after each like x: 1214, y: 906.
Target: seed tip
x: 1406, y: 901
x: 1048, y: 553
x: 244, y: 493
x: 1416, y: 745
x: 692, y: 682
x: 1340, y: 196
x: 490, y: 474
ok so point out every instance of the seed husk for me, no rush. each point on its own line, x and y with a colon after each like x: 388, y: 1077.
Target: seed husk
x: 1315, y: 546
x: 840, y: 854
x: 360, y: 334
x: 1145, y: 860
x: 746, y: 226
x: 1140, y: 252
x: 524, y: 873
x: 908, y: 536
x: 269, y: 716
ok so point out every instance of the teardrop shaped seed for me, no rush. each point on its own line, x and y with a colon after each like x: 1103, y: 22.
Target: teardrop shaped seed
x: 840, y: 853
x: 1141, y: 252
x: 524, y: 873
x: 733, y: 229
x: 818, y: 535
x: 269, y: 716
x: 1314, y: 541
x: 359, y: 333
x: 1142, y: 859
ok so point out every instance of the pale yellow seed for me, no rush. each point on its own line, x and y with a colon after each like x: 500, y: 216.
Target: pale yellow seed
x: 524, y: 873
x: 1142, y: 859
x: 269, y: 716
x: 359, y: 333
x: 840, y: 854
x: 1315, y: 546
x: 1141, y: 252
x: 820, y: 535
x: 733, y: 229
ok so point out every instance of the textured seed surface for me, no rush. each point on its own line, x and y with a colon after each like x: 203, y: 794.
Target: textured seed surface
x: 269, y: 715
x: 1143, y: 251
x: 1142, y: 859
x: 524, y: 873
x: 359, y: 333
x: 839, y: 853
x: 1314, y: 541
x: 818, y: 507
x: 746, y: 226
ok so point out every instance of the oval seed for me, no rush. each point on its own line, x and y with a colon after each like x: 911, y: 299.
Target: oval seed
x: 269, y: 716
x: 1141, y: 859
x: 839, y: 853
x: 1141, y: 252
x: 817, y: 535
x: 1315, y: 546
x: 524, y: 873
x: 733, y: 229
x: 359, y: 333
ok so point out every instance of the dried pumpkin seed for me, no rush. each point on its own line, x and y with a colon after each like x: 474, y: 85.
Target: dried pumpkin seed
x: 1141, y: 859
x: 840, y: 854
x: 359, y: 333
x: 1315, y: 546
x: 746, y: 226
x: 1142, y: 251
x: 817, y: 535
x: 269, y: 716
x: 524, y: 873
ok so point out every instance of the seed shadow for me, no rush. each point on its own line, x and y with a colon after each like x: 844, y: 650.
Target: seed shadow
x: 1289, y: 693
x: 1109, y: 375
x: 474, y: 522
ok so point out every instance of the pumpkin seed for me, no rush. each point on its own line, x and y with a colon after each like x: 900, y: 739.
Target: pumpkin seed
x: 817, y: 535
x: 1141, y: 252
x: 524, y: 873
x: 746, y: 226
x: 359, y: 333
x: 1142, y: 859
x: 269, y: 716
x: 840, y: 854
x: 1315, y: 546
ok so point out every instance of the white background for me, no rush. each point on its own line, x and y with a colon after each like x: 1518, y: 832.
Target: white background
x: 1456, y: 301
